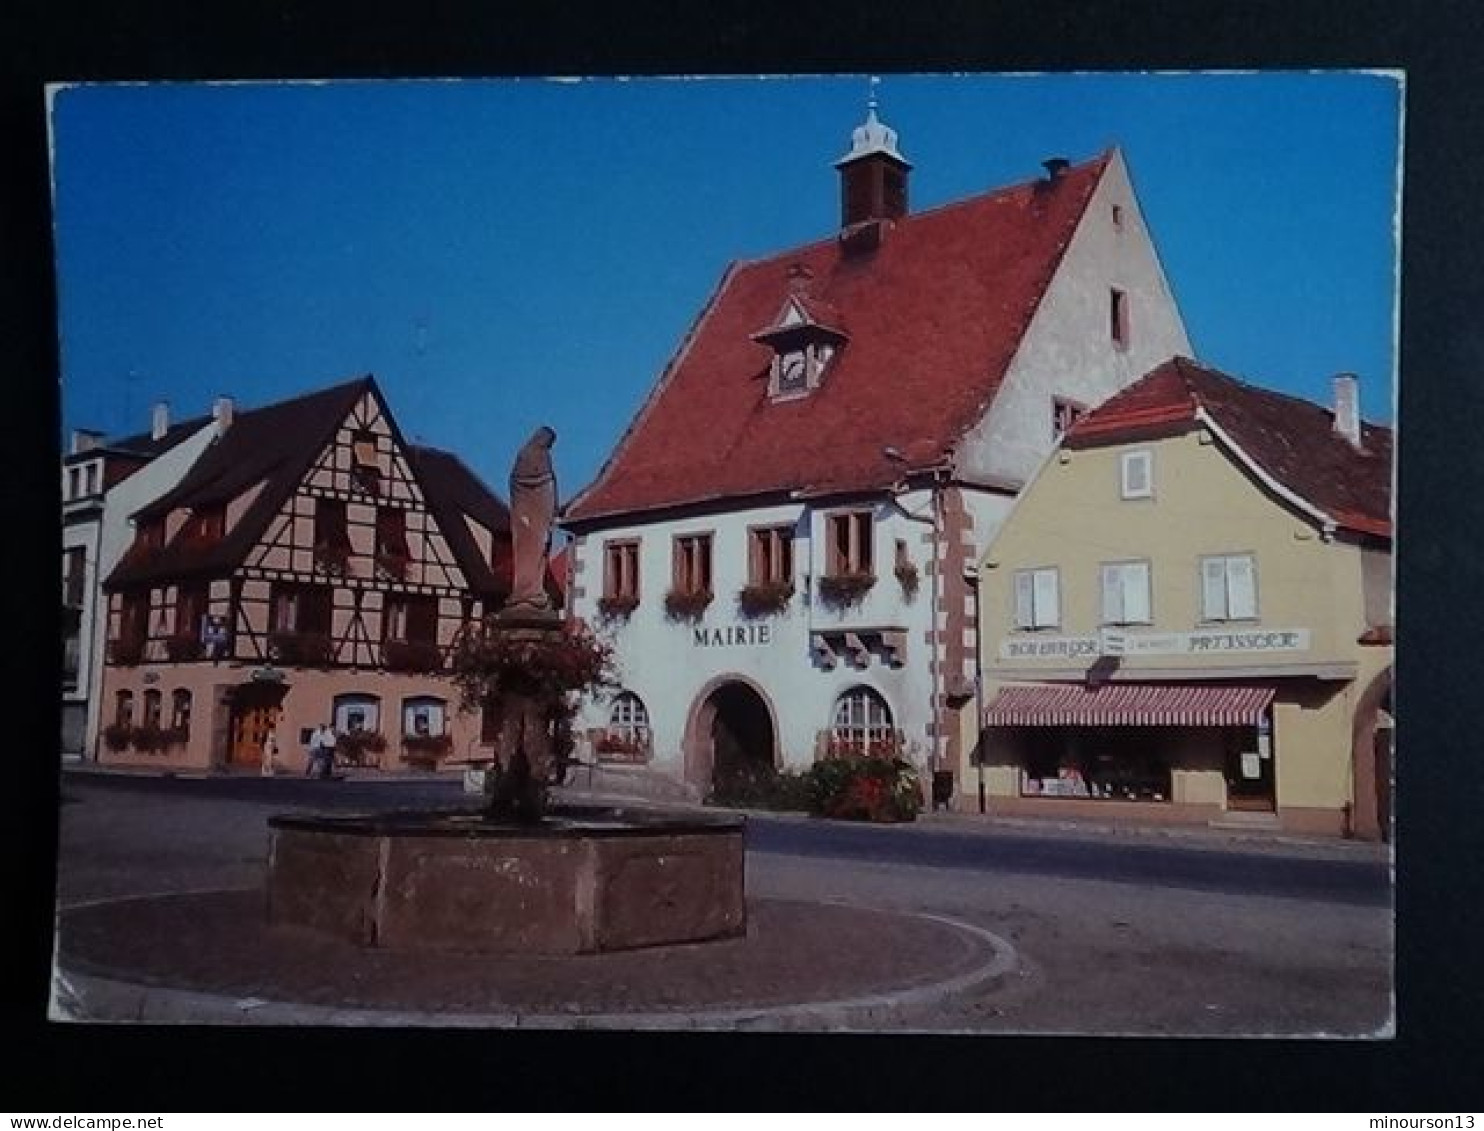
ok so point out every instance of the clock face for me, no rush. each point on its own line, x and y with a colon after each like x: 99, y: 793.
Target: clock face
x: 791, y: 372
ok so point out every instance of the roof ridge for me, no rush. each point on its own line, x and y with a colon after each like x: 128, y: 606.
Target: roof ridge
x: 1101, y: 160
x: 1267, y: 391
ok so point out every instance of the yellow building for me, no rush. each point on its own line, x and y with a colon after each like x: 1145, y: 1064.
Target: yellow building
x: 1187, y: 615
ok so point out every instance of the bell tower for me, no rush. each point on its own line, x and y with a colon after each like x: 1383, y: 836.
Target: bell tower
x: 873, y: 175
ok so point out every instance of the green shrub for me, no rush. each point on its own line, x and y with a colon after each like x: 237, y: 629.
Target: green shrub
x: 760, y: 787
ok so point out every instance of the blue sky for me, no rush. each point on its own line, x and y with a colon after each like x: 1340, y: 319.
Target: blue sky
x: 507, y: 253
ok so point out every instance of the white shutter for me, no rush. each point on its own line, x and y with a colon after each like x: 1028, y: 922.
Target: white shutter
x: 1046, y: 611
x: 1112, y: 595
x: 1136, y: 592
x: 1241, y: 588
x: 1024, y: 600
x: 1135, y: 468
x: 1213, y: 589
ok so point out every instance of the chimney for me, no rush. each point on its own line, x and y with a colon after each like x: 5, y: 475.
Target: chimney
x: 159, y: 421
x: 221, y: 412
x: 1347, y: 407
x: 84, y: 439
x: 1055, y: 167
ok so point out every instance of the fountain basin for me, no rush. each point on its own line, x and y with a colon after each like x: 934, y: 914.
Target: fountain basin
x: 585, y: 880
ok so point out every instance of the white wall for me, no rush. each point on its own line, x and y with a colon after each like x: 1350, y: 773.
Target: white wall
x: 114, y: 535
x: 662, y: 663
x: 1068, y: 349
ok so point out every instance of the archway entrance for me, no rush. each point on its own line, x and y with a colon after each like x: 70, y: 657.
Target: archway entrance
x: 256, y: 708
x: 730, y: 734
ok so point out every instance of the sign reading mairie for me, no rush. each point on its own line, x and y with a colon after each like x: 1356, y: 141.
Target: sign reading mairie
x: 732, y: 635
x: 1204, y: 643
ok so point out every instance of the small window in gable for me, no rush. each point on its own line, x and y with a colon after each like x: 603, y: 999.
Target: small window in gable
x: 1136, y: 475
x: 1118, y: 317
x: 1064, y: 414
x: 1118, y: 217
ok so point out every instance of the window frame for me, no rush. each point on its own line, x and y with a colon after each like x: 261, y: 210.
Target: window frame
x: 1036, y: 624
x: 862, y: 733
x: 1227, y: 616
x: 74, y: 576
x: 620, y: 566
x: 1122, y: 565
x: 1075, y: 411
x: 692, y: 563
x: 341, y: 707
x: 770, y: 554
x: 1118, y: 318
x: 628, y: 720
x: 860, y: 536
x: 412, y: 705
x: 1128, y: 459
x: 403, y: 612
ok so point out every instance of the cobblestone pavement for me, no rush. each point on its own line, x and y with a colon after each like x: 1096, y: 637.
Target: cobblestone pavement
x: 1090, y: 956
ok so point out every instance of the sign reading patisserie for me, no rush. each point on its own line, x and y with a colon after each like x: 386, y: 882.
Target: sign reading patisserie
x: 1204, y: 643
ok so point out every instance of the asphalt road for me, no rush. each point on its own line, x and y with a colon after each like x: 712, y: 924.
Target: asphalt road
x: 1363, y: 882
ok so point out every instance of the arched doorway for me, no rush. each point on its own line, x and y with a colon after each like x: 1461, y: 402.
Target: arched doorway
x: 730, y: 731
x: 255, y: 710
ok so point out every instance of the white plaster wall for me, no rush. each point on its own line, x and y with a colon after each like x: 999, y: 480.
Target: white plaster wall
x: 115, y: 533
x: 661, y: 662
x: 85, y: 535
x: 1068, y: 350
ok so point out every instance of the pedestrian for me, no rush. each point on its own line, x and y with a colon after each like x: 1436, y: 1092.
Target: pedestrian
x: 310, y: 739
x: 325, y: 743
x: 270, y: 754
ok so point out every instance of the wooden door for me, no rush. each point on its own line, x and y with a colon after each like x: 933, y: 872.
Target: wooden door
x: 255, y: 712
x: 1249, y: 772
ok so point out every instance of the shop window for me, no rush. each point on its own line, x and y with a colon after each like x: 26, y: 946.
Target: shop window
x: 627, y: 736
x: 123, y: 708
x: 1228, y: 588
x: 621, y: 571
x: 692, y: 565
x: 848, y: 549
x: 771, y: 556
x: 1136, y: 475
x: 423, y: 717
x: 180, y: 709
x: 356, y: 712
x: 862, y: 724
x: 1107, y: 763
x: 152, y: 708
x: 1126, y: 593
x: 1037, y: 598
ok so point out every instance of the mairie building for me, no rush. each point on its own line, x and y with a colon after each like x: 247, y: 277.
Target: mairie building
x: 778, y: 545
x: 311, y: 567
x: 1188, y: 615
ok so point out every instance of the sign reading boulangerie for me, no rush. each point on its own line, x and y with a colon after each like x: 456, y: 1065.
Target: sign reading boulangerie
x: 1204, y: 643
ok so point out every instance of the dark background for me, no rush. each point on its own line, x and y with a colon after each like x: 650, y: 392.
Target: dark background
x: 1435, y: 1062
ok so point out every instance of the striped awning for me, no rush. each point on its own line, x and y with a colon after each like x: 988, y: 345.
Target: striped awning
x: 1127, y: 704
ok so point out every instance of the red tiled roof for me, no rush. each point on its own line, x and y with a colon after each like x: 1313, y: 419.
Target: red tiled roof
x: 1292, y: 441
x: 276, y: 445
x: 934, y: 317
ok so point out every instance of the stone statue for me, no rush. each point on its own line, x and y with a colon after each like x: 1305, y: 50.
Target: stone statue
x: 533, y: 502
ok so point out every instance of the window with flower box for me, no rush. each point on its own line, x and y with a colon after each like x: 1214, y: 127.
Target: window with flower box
x: 299, y: 624
x: 180, y: 710
x: 770, y: 570
x: 627, y: 736
x: 690, y: 578
x: 410, y: 634
x: 153, y: 707
x: 620, y: 577
x: 862, y: 725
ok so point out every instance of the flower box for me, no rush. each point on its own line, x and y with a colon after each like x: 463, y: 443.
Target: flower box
x: 765, y: 598
x: 617, y: 748
x: 686, y: 606
x: 425, y: 750
x: 616, y: 608
x: 843, y: 590
x: 355, y: 747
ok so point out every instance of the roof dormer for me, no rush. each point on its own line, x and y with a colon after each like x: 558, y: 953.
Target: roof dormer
x: 805, y: 337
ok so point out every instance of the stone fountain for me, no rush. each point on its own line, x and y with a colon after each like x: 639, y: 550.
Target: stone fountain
x: 515, y: 877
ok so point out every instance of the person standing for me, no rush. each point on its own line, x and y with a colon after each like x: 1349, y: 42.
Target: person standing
x: 324, y: 741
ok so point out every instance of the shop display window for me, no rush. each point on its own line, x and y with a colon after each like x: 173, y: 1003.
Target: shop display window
x: 1108, y: 763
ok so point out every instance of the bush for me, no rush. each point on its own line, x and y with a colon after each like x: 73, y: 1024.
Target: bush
x: 760, y: 787
x: 856, y: 788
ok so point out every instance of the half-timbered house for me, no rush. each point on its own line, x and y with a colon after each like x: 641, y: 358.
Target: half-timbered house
x: 313, y: 567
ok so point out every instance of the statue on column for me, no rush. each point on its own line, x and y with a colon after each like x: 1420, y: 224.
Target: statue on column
x: 533, y: 503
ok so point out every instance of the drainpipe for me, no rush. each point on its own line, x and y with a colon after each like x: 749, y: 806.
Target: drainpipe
x: 971, y: 576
